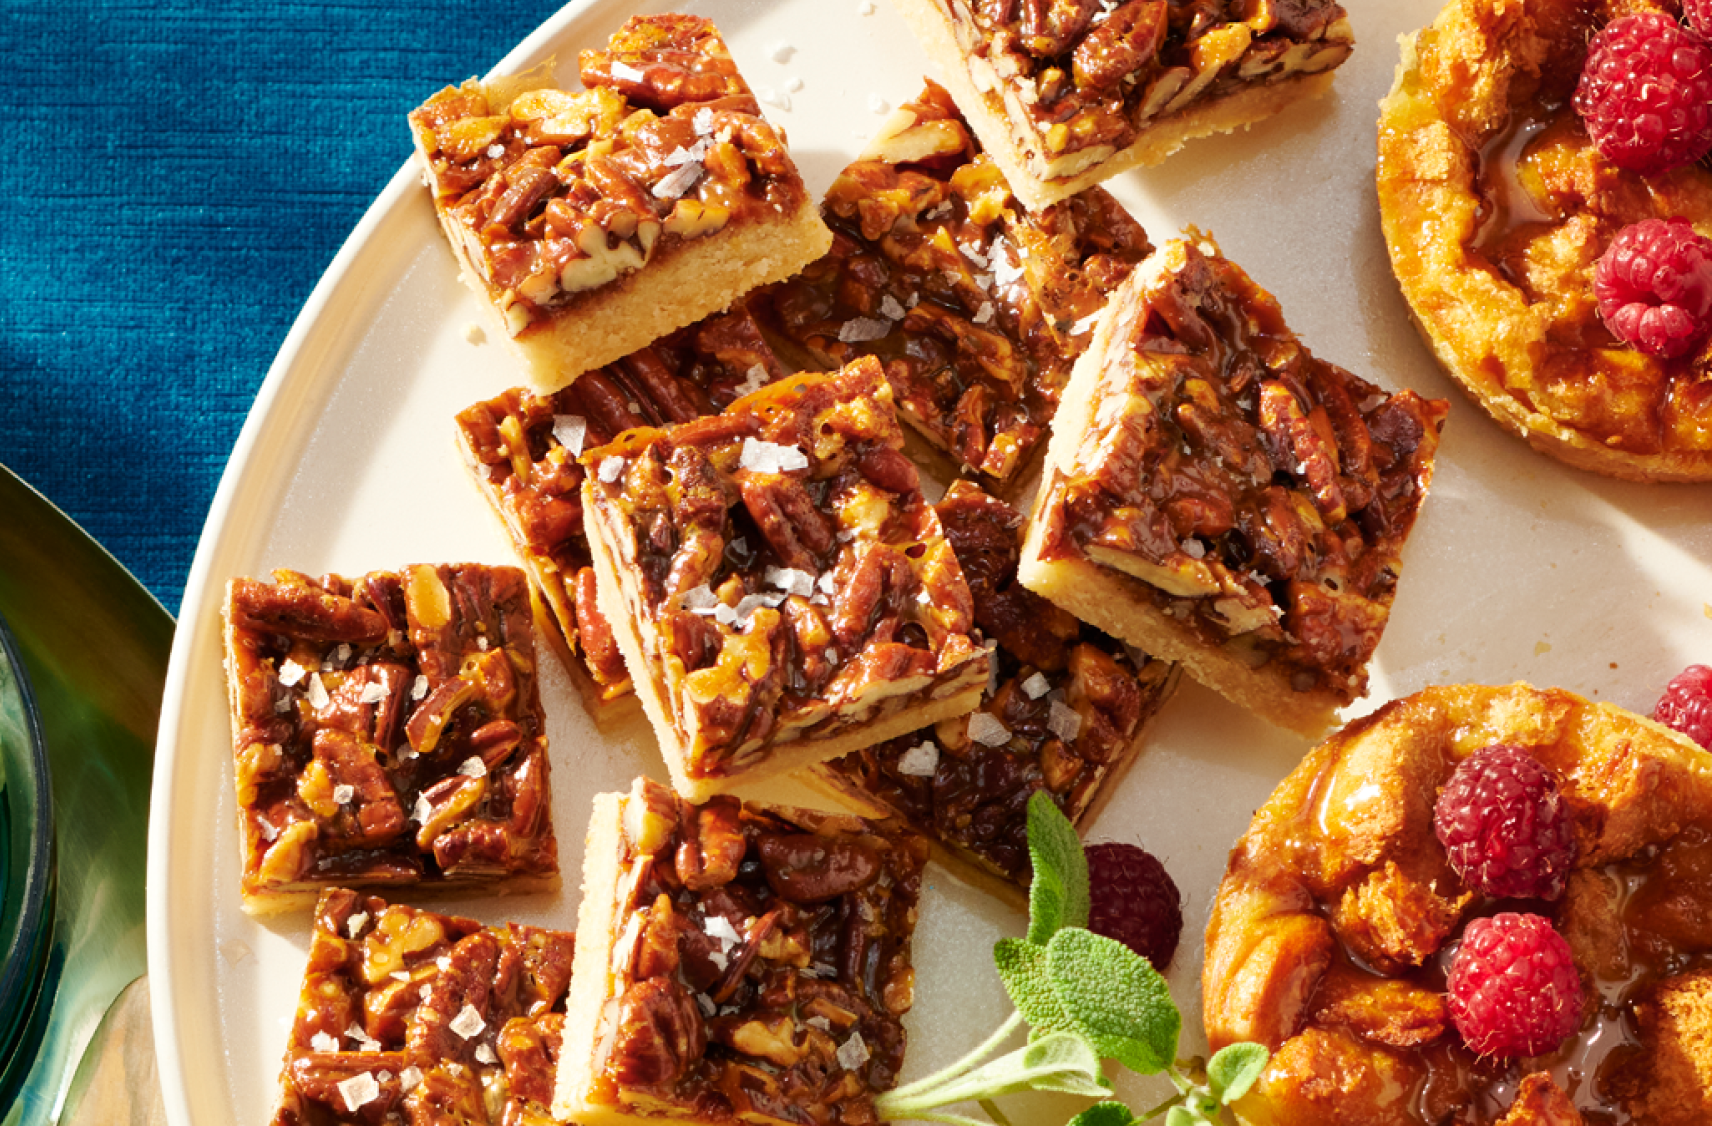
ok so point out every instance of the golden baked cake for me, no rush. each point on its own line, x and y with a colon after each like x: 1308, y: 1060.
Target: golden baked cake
x: 411, y: 1016
x: 1341, y: 936
x: 387, y: 730
x: 1215, y: 495
x: 976, y: 305
x: 1066, y: 712
x: 780, y: 589
x: 1068, y: 93
x: 590, y: 223
x: 522, y: 449
x: 737, y: 964
x: 1496, y: 206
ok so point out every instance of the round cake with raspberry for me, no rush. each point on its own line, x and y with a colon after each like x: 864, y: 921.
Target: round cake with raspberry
x: 1547, y: 207
x: 1480, y: 906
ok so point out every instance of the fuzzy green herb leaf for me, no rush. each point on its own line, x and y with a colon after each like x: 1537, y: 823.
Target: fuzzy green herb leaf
x: 1022, y: 969
x: 1058, y: 896
x: 1233, y: 1070
x: 1183, y: 1116
x: 1115, y: 998
x: 1105, y: 1114
x: 1060, y: 1062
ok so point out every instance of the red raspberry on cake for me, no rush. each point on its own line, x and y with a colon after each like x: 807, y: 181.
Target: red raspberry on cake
x: 1504, y: 825
x: 1134, y: 900
x: 1645, y: 93
x: 1514, y: 990
x: 1686, y: 705
x: 1654, y: 284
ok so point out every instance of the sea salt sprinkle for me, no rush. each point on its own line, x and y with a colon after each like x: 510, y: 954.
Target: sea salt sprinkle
x: 1036, y: 686
x: 770, y: 457
x: 355, y: 924
x: 790, y: 580
x: 1063, y: 721
x: 890, y: 309
x: 985, y: 728
x: 290, y: 672
x: 674, y: 184
x: 468, y: 1022
x: 343, y: 793
x: 859, y: 330
x: 610, y: 469
x: 419, y: 686
x: 373, y: 693
x: 570, y: 431
x: 358, y: 1091
x: 921, y: 760
x: 411, y: 1078
x: 323, y: 1042
x: 473, y: 767
x: 318, y: 697
x: 853, y: 1053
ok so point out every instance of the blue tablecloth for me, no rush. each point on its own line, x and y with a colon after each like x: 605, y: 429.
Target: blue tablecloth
x: 177, y: 175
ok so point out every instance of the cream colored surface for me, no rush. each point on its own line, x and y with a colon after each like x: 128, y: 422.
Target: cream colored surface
x: 1520, y: 568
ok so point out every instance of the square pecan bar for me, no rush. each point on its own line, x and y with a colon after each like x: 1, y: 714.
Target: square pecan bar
x: 522, y: 450
x: 387, y: 730
x: 977, y: 306
x: 409, y: 1015
x: 1065, y: 712
x: 737, y: 964
x: 1066, y: 93
x: 1217, y: 496
x: 593, y: 222
x: 781, y: 590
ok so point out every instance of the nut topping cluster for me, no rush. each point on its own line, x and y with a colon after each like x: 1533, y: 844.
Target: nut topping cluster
x: 1066, y: 709
x: 523, y: 448
x: 387, y: 730
x: 411, y: 1016
x: 977, y: 306
x: 550, y: 193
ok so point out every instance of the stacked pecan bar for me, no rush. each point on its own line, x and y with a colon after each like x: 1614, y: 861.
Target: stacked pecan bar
x: 522, y: 449
x: 977, y: 307
x: 387, y: 730
x: 409, y: 1015
x: 1216, y: 495
x: 737, y: 964
x: 591, y: 223
x: 1066, y: 93
x: 781, y: 590
x: 1065, y: 713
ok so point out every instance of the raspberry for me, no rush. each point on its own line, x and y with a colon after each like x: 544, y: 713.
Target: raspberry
x: 1513, y: 987
x: 1698, y: 13
x: 1644, y: 93
x: 1502, y: 820
x: 1134, y: 900
x: 1654, y: 284
x: 1687, y: 704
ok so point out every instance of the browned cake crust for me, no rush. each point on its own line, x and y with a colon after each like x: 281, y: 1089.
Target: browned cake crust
x: 522, y: 450
x: 1496, y: 205
x: 411, y: 1016
x: 977, y: 306
x: 1065, y: 713
x: 737, y: 964
x: 1069, y: 93
x: 1215, y: 495
x: 780, y: 589
x: 387, y: 730
x: 1327, y: 939
x: 592, y: 223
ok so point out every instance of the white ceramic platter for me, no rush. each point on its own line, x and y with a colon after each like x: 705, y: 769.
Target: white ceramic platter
x: 1519, y: 568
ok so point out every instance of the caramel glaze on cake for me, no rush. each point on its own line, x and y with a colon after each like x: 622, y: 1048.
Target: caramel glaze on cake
x: 1331, y: 933
x: 1496, y: 205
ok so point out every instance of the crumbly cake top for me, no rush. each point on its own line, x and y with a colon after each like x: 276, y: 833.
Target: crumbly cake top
x: 1260, y: 496
x: 1063, y: 711
x: 387, y: 729
x: 977, y: 307
x: 410, y: 1015
x: 784, y: 561
x: 555, y: 193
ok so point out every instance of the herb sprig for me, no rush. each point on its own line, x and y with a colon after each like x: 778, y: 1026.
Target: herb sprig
x: 1084, y: 998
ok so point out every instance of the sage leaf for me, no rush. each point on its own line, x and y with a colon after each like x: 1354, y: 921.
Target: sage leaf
x: 1183, y: 1116
x: 1060, y: 1062
x: 1058, y: 896
x: 1234, y: 1068
x: 1022, y: 970
x: 1105, y: 1114
x: 1114, y: 998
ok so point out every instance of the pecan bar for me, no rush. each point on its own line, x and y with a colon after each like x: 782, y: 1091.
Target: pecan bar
x: 1066, y: 93
x: 977, y: 306
x: 737, y: 964
x: 412, y: 1016
x: 1217, y: 496
x: 387, y: 730
x: 781, y: 590
x: 522, y: 450
x: 1065, y: 714
x: 593, y: 222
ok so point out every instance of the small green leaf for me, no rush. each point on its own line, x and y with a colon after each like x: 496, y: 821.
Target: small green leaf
x: 1234, y: 1068
x: 1114, y: 998
x: 1105, y: 1114
x: 1022, y: 969
x: 1058, y: 897
x: 1183, y: 1116
x: 1060, y: 1062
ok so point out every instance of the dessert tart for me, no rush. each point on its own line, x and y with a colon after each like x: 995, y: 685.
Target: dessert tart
x: 1215, y: 495
x: 591, y: 223
x: 1341, y: 910
x: 1066, y: 712
x: 1496, y: 205
x: 522, y: 449
x: 1068, y: 93
x: 737, y: 963
x: 387, y: 730
x: 407, y: 1015
x: 976, y: 305
x: 780, y: 589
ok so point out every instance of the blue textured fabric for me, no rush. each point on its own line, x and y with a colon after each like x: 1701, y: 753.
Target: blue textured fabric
x: 177, y: 177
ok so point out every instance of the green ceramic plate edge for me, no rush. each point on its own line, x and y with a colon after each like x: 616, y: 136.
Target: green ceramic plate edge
x: 95, y: 644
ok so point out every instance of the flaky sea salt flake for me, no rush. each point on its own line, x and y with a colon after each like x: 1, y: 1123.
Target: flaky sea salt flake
x: 1036, y: 686
x: 985, y: 729
x: 790, y: 580
x: 858, y: 330
x: 890, y: 309
x: 373, y: 693
x: 984, y: 313
x: 610, y: 469
x: 355, y: 924
x: 570, y: 431
x: 484, y: 1054
x: 322, y: 1042
x: 358, y: 1091
x: 853, y: 1053
x: 468, y: 1022
x: 343, y: 793
x: 675, y: 183
x: 290, y: 672
x: 473, y: 767
x: 921, y: 760
x: 410, y: 1078
x: 318, y: 697
x: 419, y: 686
x: 1064, y: 721
x: 759, y: 456
x: 720, y: 928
